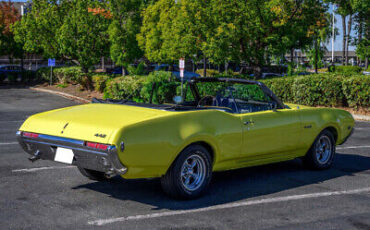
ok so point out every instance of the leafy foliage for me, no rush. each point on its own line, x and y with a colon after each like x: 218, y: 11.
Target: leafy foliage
x: 348, y: 69
x: 125, y: 25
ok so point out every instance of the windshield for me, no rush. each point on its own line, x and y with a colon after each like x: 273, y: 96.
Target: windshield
x: 231, y: 97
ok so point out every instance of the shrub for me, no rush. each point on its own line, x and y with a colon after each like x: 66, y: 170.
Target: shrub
x: 210, y: 72
x: 127, y: 87
x: 281, y: 87
x: 318, y: 90
x: 160, y: 86
x: 139, y: 70
x: 69, y: 74
x: 347, y: 69
x: 100, y: 81
x: 43, y: 74
x: 357, y: 91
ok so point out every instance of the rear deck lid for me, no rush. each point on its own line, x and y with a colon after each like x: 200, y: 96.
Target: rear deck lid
x: 90, y: 122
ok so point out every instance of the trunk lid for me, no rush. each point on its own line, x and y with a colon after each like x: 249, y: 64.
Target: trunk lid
x: 90, y: 122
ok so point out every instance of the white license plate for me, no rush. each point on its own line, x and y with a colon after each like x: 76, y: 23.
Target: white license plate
x: 64, y: 155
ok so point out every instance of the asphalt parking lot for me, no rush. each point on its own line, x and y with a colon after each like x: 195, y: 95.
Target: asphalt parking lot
x: 48, y: 195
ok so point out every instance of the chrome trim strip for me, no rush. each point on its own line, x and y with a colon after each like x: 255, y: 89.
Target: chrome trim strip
x: 61, y: 139
x: 64, y: 146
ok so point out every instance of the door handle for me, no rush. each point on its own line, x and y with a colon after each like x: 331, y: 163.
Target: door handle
x: 248, y: 122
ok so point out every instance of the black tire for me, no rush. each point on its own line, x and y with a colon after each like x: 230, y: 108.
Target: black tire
x: 314, y: 159
x: 92, y: 174
x: 173, y: 184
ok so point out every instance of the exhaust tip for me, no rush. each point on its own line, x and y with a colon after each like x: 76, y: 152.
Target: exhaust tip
x: 35, y: 157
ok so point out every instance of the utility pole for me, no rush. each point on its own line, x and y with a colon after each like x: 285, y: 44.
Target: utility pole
x: 332, y: 39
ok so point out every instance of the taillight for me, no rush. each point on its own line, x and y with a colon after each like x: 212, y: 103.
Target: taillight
x: 31, y: 135
x: 96, y: 145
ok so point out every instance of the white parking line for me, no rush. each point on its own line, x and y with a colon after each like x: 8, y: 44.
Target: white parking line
x: 231, y: 205
x: 9, y: 143
x: 354, y: 147
x: 42, y: 168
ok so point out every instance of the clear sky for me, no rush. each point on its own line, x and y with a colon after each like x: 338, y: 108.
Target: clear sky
x: 338, y: 25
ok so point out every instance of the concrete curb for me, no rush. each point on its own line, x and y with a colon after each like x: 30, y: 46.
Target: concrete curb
x: 80, y: 99
x: 65, y: 95
x: 361, y: 117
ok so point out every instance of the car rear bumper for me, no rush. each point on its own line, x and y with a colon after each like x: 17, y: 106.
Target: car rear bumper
x: 45, y: 146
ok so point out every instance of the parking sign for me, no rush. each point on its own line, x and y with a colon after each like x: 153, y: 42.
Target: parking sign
x: 182, y: 63
x: 51, y: 62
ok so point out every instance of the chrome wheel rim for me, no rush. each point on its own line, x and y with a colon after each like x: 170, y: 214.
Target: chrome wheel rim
x: 193, y: 172
x: 323, y: 149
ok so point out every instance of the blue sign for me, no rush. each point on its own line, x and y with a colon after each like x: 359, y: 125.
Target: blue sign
x: 51, y: 62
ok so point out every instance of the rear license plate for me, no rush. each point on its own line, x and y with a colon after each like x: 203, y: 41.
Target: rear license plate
x: 64, y: 155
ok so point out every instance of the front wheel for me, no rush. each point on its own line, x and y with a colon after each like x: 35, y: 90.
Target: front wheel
x: 190, y: 174
x: 322, y: 151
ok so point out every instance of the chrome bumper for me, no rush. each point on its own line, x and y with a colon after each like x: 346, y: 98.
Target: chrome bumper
x: 99, y: 160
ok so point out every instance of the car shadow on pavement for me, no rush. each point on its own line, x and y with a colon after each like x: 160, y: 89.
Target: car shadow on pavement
x: 235, y: 185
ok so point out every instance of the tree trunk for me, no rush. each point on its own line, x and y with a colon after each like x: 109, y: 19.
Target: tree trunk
x: 204, y: 67
x: 291, y: 55
x: 123, y: 71
x: 344, y: 39
x: 316, y: 56
x: 360, y: 28
x: 348, y: 36
x: 366, y: 63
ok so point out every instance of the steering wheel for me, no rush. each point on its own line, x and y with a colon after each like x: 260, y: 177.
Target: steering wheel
x: 207, y: 100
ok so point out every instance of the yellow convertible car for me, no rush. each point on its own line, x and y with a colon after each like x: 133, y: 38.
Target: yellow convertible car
x: 219, y: 124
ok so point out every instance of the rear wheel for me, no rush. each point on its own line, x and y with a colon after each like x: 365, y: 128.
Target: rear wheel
x: 92, y: 174
x: 189, y: 175
x: 322, y: 151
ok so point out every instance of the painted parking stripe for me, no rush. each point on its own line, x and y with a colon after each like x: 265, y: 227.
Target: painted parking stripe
x: 354, y: 147
x: 9, y: 143
x: 101, y: 222
x: 41, y: 169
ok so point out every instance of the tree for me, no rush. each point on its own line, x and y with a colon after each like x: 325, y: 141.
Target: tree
x: 240, y: 31
x: 344, y: 9
x: 8, y: 16
x: 82, y: 36
x: 250, y: 31
x: 362, y: 12
x: 74, y: 30
x: 37, y: 30
x: 320, y: 33
x: 125, y: 25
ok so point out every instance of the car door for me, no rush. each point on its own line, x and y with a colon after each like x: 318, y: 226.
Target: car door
x: 270, y: 133
x: 267, y: 132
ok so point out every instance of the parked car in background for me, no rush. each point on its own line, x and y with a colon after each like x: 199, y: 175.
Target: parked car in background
x: 117, y: 70
x: 13, y: 71
x: 174, y: 69
x: 269, y: 75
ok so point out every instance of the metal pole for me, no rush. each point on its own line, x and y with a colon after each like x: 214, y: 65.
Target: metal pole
x: 332, y: 39
x: 182, y: 82
x: 51, y: 75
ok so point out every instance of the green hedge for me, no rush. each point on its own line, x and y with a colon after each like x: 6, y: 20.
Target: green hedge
x: 323, y: 89
x: 347, y: 69
x: 160, y: 85
x: 357, y: 91
x: 68, y: 74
